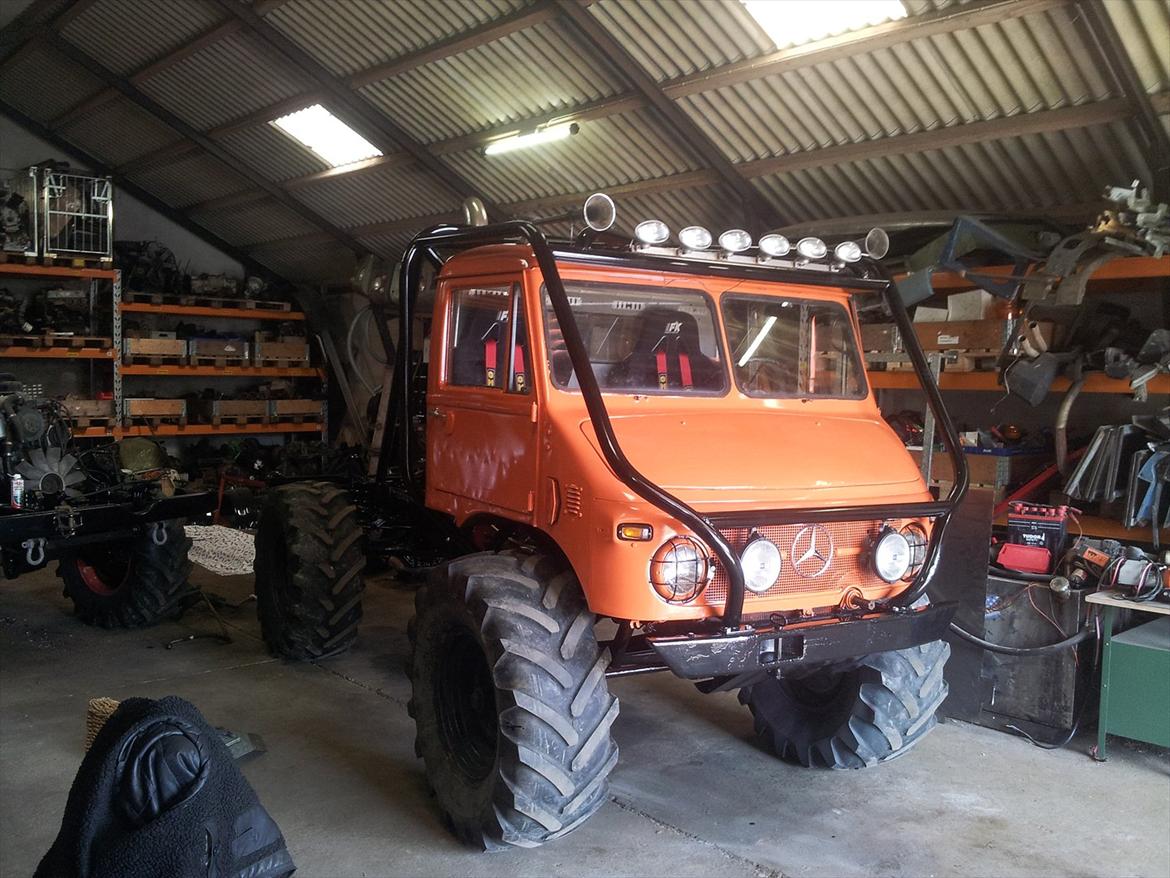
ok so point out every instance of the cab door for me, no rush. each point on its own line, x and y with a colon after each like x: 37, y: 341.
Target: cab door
x: 481, y: 408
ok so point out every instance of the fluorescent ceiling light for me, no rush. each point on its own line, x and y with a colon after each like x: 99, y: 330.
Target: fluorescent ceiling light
x: 548, y: 134
x: 757, y: 341
x: 326, y: 135
x: 792, y: 22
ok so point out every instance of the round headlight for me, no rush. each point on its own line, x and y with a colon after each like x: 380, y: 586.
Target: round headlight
x: 848, y: 251
x: 811, y: 248
x: 735, y: 241
x: 761, y: 565
x: 651, y: 232
x: 774, y: 245
x: 891, y: 556
x: 917, y: 538
x: 694, y: 238
x: 679, y: 570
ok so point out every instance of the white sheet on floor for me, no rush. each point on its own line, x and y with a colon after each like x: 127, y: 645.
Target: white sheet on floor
x: 222, y: 550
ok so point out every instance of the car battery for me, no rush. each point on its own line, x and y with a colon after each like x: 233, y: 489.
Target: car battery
x: 1037, y: 525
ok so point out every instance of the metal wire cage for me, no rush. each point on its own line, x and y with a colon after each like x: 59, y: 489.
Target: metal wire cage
x: 18, y: 211
x: 77, y: 215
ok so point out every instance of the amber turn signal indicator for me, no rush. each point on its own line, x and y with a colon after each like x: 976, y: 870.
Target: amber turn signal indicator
x: 638, y: 533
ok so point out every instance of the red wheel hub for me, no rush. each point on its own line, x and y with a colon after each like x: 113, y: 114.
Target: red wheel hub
x: 94, y: 580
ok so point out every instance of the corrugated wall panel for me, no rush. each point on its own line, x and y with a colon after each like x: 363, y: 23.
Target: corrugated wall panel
x: 190, y: 180
x: 606, y: 152
x: 125, y: 35
x: 42, y: 83
x: 118, y: 131
x: 225, y: 80
x: 272, y: 152
x: 668, y: 44
x: 519, y: 76
x: 347, y: 37
x: 380, y: 195
x: 254, y: 223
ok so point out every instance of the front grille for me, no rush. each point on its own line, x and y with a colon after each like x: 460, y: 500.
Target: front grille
x: 846, y: 568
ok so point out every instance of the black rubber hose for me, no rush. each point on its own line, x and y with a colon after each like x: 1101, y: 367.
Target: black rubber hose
x: 1080, y: 636
x: 1019, y: 575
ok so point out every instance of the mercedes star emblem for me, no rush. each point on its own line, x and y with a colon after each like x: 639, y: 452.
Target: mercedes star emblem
x: 812, y: 551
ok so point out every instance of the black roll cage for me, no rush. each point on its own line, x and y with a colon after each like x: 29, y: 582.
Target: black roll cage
x: 398, y: 442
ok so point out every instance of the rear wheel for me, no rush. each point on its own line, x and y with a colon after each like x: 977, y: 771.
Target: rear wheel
x: 309, y: 561
x: 130, y: 585
x: 871, y: 713
x: 509, y: 699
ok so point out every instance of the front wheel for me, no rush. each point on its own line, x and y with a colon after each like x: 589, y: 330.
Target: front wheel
x: 871, y: 713
x: 130, y: 585
x: 508, y: 695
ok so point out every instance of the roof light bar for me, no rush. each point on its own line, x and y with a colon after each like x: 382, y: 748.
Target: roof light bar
x: 734, y: 241
x: 652, y: 232
x: 848, y: 251
x: 694, y: 238
x: 774, y: 246
x: 539, y: 137
x: 811, y: 248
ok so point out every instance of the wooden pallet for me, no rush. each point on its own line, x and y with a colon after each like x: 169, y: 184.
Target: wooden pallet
x: 282, y: 362
x: 153, y: 422
x: 306, y: 418
x: 957, y: 361
x: 154, y: 359
x: 238, y: 420
x: 68, y: 342
x: 218, y: 362
x: 56, y: 261
x: 89, y: 422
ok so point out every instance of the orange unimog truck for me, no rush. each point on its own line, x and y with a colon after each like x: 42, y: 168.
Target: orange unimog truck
x: 618, y: 457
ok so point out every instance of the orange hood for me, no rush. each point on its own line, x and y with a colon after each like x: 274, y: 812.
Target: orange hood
x: 768, y: 459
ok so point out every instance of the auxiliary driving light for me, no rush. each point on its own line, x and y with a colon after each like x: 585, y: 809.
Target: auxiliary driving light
x: 735, y: 241
x: 916, y: 536
x: 679, y: 570
x: 811, y: 248
x: 651, y: 232
x: 848, y: 251
x: 694, y: 238
x: 891, y: 556
x: 761, y: 565
x: 774, y: 246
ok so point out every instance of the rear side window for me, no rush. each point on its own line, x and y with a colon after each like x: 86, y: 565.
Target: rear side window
x: 792, y: 348
x: 487, y: 340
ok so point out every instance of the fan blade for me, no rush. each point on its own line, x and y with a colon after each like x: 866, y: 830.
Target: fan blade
x: 74, y: 478
x: 53, y: 457
x: 38, y: 459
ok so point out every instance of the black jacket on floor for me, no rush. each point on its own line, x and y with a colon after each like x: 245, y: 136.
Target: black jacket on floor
x: 158, y: 794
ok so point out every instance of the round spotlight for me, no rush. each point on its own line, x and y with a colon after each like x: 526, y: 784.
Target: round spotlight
x: 892, y: 556
x: 694, y: 238
x: 848, y: 251
x: 679, y: 570
x: 761, y: 565
x: 651, y: 232
x: 811, y: 248
x: 775, y: 245
x: 735, y: 241
x: 877, y: 243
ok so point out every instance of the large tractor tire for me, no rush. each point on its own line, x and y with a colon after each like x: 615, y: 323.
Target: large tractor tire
x: 309, y: 561
x: 509, y: 699
x: 871, y: 713
x: 130, y: 584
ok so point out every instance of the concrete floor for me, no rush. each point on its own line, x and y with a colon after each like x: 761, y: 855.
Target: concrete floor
x: 692, y: 795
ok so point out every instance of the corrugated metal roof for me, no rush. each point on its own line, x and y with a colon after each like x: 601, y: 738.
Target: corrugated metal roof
x: 351, y: 36
x: 102, y: 132
x: 389, y: 244
x: 312, y: 262
x: 1021, y: 65
x: 535, y: 71
x: 606, y: 152
x: 1144, y: 27
x: 227, y: 79
x: 189, y: 180
x: 255, y: 222
x: 669, y: 45
x: 272, y: 152
x: 42, y: 83
x: 127, y: 34
x: 379, y: 195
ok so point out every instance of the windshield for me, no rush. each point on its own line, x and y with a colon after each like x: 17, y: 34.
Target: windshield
x: 640, y: 339
x: 792, y: 348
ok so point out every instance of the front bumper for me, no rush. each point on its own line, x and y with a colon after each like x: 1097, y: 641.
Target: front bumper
x: 699, y: 657
x: 73, y: 523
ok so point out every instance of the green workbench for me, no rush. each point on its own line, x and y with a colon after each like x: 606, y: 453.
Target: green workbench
x: 1135, y: 674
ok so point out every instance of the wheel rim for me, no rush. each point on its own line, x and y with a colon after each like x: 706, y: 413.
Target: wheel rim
x: 465, y: 701
x: 103, y: 572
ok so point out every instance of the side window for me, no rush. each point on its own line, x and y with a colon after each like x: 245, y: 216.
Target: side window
x: 487, y: 344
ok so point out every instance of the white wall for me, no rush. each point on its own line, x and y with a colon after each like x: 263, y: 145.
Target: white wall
x: 133, y: 220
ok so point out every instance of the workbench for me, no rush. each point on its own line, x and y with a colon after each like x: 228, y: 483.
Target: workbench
x: 1135, y: 674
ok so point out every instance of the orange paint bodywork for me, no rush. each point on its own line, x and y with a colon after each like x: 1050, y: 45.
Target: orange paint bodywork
x: 534, y: 458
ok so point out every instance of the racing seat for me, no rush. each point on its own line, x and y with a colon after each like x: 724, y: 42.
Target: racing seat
x: 667, y: 356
